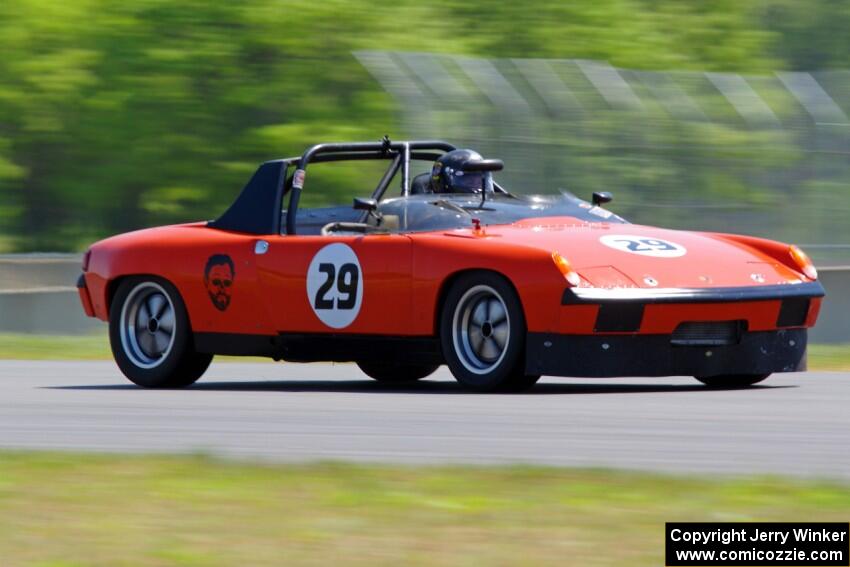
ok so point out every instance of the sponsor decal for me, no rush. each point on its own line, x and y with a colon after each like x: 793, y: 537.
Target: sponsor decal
x: 335, y: 285
x: 643, y: 245
x: 298, y: 179
x: 219, y: 275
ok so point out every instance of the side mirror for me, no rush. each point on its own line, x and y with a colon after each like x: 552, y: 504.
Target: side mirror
x: 370, y: 205
x: 602, y: 197
x: 484, y: 165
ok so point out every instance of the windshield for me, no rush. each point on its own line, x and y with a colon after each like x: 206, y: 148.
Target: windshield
x: 421, y: 213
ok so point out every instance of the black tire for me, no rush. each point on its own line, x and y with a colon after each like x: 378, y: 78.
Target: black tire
x: 139, y: 354
x: 497, y: 363
x: 732, y: 381
x: 396, y: 373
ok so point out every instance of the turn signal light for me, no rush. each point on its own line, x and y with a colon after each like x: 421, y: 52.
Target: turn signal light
x: 804, y: 262
x: 566, y: 269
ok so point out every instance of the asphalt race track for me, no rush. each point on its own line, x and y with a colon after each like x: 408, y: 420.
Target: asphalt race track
x: 793, y: 424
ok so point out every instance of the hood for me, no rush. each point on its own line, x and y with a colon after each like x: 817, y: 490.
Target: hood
x: 629, y: 255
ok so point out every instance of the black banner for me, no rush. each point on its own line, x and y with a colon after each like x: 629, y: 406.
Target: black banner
x: 763, y: 544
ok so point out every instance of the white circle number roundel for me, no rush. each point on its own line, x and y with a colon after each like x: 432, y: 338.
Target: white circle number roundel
x: 643, y: 245
x: 335, y: 285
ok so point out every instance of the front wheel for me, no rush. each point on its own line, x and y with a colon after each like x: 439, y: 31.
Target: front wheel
x: 150, y: 335
x: 396, y: 373
x: 732, y: 381
x: 482, y: 334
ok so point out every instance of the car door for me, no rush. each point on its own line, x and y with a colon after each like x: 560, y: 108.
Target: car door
x: 337, y: 284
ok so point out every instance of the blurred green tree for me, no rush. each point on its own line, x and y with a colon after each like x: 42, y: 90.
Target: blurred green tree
x: 119, y: 115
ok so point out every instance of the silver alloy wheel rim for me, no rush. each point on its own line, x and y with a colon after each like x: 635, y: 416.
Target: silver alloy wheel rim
x: 147, y: 325
x: 481, y: 329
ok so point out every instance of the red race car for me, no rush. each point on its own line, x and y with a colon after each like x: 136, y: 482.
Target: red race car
x: 451, y: 269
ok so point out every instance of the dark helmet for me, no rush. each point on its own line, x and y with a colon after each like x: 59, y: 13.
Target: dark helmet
x: 448, y: 176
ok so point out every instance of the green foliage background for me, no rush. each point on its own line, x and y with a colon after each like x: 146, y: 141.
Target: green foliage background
x: 119, y: 115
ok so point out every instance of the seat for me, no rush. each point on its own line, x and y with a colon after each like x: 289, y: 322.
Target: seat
x: 421, y: 184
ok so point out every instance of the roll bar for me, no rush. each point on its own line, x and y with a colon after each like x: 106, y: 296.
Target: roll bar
x: 400, y: 152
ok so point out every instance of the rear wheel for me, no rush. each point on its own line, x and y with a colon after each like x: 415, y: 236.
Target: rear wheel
x: 150, y: 335
x: 482, y: 334
x: 396, y: 373
x: 732, y: 381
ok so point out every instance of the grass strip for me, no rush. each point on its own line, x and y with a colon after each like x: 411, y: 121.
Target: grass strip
x: 62, y: 509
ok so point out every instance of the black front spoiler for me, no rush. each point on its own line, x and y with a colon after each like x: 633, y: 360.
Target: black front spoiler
x: 654, y: 355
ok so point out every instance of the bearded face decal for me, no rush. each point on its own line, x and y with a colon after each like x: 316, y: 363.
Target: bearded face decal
x: 218, y: 279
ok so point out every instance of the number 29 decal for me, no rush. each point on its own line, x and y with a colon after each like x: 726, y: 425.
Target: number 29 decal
x: 335, y: 285
x: 643, y: 245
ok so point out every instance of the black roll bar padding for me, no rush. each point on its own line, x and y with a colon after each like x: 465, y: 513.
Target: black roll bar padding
x: 376, y: 150
x: 366, y: 156
x: 377, y: 147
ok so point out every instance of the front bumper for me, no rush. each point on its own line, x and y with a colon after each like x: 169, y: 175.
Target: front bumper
x: 585, y: 295
x: 660, y: 310
x: 601, y: 356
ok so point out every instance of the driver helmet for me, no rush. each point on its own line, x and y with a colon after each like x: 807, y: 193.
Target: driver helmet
x: 448, y: 176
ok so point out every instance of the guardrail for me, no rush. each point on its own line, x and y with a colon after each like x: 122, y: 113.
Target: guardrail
x: 37, y: 295
x: 38, y: 273
x: 834, y: 322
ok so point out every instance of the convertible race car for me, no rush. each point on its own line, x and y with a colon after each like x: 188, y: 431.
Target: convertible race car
x: 448, y: 268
